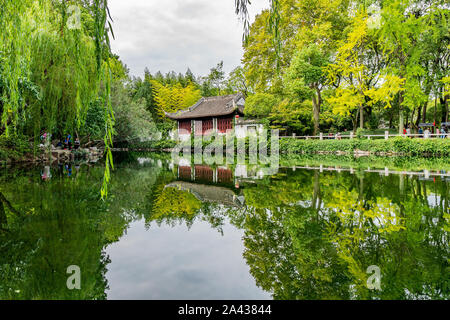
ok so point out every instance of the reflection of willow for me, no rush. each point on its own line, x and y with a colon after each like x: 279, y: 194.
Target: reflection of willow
x: 62, y: 223
x: 323, y: 231
x: 3, y: 219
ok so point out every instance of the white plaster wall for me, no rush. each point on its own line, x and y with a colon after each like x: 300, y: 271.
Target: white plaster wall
x: 240, y: 171
x: 184, y: 137
x: 242, y: 129
x: 183, y: 162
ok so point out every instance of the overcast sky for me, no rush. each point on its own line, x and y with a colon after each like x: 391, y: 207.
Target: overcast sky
x: 171, y: 35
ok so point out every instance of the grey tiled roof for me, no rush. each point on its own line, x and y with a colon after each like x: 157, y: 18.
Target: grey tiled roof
x: 211, y: 107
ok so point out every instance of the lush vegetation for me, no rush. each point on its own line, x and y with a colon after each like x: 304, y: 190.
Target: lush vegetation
x: 59, y: 76
x: 306, y: 234
x: 55, y: 63
x: 308, y: 66
x: 327, y: 228
x: 46, y: 226
x: 373, y: 162
x: 345, y: 64
x: 398, y: 145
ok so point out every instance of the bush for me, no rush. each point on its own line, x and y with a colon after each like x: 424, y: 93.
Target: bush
x: 214, y: 142
x: 399, y: 145
x: 436, y: 147
x: 13, y: 147
x: 394, y: 163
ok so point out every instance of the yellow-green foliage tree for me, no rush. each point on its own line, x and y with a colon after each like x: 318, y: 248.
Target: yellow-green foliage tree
x: 172, y: 98
x: 261, y: 60
x: 359, y: 84
x: 350, y: 71
x: 309, y: 32
x: 177, y: 203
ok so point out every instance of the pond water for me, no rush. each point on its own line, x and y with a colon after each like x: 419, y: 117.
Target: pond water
x: 176, y: 230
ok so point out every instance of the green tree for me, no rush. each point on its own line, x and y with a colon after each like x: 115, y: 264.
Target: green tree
x: 306, y: 77
x: 213, y: 83
x: 172, y: 98
x: 260, y: 105
x: 401, y: 35
x: 236, y: 82
x: 133, y: 121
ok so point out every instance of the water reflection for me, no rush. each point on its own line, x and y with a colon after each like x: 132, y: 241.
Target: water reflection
x: 181, y: 230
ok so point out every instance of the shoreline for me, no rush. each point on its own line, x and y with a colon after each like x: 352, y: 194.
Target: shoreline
x: 396, y: 147
x: 92, y: 154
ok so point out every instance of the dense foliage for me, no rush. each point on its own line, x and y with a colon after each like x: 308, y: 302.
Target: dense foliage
x: 305, y: 234
x: 398, y: 145
x: 350, y: 64
x: 55, y: 63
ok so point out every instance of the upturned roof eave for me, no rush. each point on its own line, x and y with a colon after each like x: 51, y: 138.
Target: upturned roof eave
x: 187, y: 116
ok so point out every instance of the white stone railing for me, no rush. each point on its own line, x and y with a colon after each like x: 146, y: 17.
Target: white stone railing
x: 386, y: 136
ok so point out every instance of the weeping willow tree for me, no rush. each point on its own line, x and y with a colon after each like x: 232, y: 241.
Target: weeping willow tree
x: 273, y: 23
x: 54, y: 62
x: 54, y: 58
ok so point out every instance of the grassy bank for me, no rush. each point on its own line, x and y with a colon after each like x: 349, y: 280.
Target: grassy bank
x: 146, y: 145
x: 393, y: 146
x: 416, y: 163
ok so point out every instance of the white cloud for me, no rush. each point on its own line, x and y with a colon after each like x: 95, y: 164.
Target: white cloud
x: 177, y: 34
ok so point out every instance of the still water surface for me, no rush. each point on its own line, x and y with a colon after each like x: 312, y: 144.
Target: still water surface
x: 183, y: 231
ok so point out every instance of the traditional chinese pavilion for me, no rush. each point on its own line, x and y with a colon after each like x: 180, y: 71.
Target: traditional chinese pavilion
x: 210, y: 114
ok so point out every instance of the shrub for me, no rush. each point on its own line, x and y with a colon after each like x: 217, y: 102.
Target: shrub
x: 13, y: 147
x: 437, y: 147
x: 158, y: 145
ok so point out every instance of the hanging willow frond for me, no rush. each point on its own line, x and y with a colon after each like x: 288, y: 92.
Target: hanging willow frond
x: 242, y: 13
x: 274, y: 27
x: 101, y: 35
x: 50, y: 73
x: 273, y: 23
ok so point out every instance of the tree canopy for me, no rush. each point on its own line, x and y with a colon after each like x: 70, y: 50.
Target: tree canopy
x: 377, y: 62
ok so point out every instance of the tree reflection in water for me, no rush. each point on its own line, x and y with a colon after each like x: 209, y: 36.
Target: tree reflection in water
x: 307, y: 234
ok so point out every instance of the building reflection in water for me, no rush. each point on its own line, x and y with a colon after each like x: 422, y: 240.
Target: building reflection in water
x: 232, y: 175
x: 213, y: 184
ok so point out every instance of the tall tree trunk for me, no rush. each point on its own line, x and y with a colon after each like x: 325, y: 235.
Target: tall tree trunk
x: 407, y: 121
x: 411, y: 120
x: 316, y: 190
x: 401, y: 120
x: 355, y: 121
x: 444, y: 105
x: 400, y: 114
x: 419, y: 115
x: 424, y: 115
x: 361, y: 117
x: 427, y: 93
x: 435, y: 111
x: 316, y: 113
x: 391, y: 118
